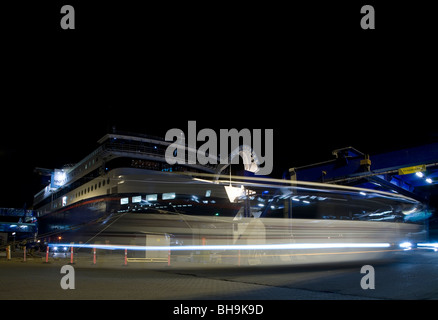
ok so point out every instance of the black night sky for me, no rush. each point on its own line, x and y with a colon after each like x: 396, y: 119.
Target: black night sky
x: 319, y: 82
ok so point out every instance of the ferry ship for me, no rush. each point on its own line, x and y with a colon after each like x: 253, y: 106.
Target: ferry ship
x: 125, y: 191
x: 125, y: 173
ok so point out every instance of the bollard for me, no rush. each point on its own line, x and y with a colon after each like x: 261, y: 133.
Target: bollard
x: 168, y: 258
x: 71, y: 256
x: 47, y: 254
x: 238, y: 259
x: 126, y: 257
x: 8, y: 252
x: 94, y: 255
x: 24, y: 254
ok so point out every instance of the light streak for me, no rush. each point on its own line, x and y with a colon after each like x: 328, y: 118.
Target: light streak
x: 284, y: 246
x: 435, y: 245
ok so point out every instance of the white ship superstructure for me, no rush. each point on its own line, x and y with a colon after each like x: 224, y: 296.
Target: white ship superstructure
x: 101, y: 172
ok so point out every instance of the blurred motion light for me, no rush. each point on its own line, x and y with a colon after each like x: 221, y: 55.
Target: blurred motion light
x: 419, y: 174
x: 429, y: 244
x: 406, y: 212
x: 429, y: 180
x: 406, y: 245
x: 277, y: 246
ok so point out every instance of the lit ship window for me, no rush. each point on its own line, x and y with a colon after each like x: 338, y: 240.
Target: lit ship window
x: 151, y: 197
x: 169, y: 196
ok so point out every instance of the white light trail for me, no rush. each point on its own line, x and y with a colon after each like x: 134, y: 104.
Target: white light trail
x: 284, y: 246
x: 435, y: 245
